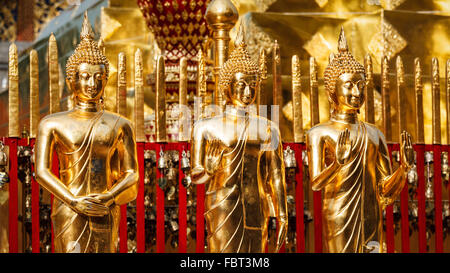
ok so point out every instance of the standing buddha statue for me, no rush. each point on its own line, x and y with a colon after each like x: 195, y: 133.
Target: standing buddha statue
x: 239, y: 156
x: 96, y: 150
x: 349, y: 161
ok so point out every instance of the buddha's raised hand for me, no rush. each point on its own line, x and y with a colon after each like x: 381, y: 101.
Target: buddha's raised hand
x: 406, y: 150
x: 343, y: 147
x: 213, y: 156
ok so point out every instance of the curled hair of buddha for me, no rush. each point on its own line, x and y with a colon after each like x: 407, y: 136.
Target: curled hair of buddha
x: 87, y: 51
x: 340, y: 63
x: 238, y: 62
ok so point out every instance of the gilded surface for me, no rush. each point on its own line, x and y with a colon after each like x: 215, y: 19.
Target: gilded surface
x: 349, y: 161
x: 96, y: 151
x: 239, y: 156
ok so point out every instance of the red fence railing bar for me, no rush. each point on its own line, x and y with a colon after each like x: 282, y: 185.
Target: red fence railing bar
x: 299, y: 199
x: 35, y: 242
x: 13, y: 195
x: 123, y: 230
x: 438, y: 198
x: 389, y: 212
x: 421, y: 200
x: 182, y: 204
x: 140, y: 208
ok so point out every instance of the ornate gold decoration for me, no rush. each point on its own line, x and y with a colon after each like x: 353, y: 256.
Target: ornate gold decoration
x: 370, y: 99
x: 387, y: 42
x: 318, y: 47
x: 435, y: 100
x: 276, y: 75
x: 13, y: 94
x: 183, y: 101
x: 34, y: 93
x: 139, y: 97
x: 313, y: 92
x: 160, y: 112
x: 297, y: 99
x: 400, y: 95
x: 221, y: 15
x: 53, y: 74
x: 385, y: 88
x: 121, y: 96
x: 418, y: 90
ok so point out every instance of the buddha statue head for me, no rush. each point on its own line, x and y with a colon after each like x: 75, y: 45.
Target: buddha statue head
x: 239, y: 77
x: 344, y: 79
x: 87, y: 68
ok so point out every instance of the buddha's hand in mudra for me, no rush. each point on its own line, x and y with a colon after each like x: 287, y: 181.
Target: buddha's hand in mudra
x: 343, y: 147
x: 213, y: 156
x: 406, y: 150
x: 89, y: 206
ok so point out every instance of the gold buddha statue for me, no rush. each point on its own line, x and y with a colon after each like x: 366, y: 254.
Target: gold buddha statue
x: 239, y: 156
x: 97, y: 157
x: 349, y: 161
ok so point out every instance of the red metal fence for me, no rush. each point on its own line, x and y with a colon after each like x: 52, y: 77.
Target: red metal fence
x: 300, y: 172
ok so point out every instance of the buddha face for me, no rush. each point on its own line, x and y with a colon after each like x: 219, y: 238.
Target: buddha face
x: 350, y: 88
x: 90, y: 82
x: 244, y: 87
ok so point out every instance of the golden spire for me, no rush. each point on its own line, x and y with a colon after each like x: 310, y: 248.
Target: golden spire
x: 342, y: 42
x: 86, y: 29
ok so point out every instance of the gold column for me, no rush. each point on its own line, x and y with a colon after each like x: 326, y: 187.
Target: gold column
x: 183, y: 100
x: 53, y: 75
x: 276, y: 74
x: 400, y: 95
x: 221, y: 16
x: 418, y: 89
x: 138, y: 97
x: 435, y: 100
x: 160, y: 109
x: 370, y: 106
x: 314, y: 92
x: 261, y: 96
x: 385, y: 86
x: 201, y: 82
x: 13, y: 93
x: 34, y: 93
x: 297, y: 99
x: 121, y: 96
